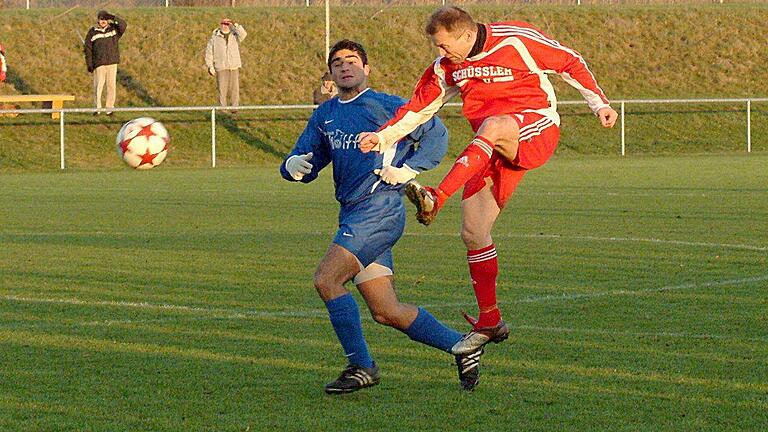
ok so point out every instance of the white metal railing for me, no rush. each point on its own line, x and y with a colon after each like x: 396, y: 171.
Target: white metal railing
x: 214, y: 109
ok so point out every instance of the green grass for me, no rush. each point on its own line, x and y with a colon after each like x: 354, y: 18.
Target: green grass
x: 181, y: 299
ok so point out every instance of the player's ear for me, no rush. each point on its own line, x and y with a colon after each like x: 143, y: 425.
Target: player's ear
x: 366, y: 70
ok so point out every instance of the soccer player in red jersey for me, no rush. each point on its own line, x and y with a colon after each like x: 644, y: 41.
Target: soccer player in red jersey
x: 500, y: 70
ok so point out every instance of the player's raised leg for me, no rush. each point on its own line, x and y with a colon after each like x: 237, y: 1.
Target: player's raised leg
x: 338, y: 266
x: 496, y: 133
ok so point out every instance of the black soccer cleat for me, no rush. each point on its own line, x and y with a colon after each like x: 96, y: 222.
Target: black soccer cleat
x: 354, y: 378
x: 468, y: 366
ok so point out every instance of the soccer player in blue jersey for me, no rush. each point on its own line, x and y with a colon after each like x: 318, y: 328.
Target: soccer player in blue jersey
x: 369, y: 187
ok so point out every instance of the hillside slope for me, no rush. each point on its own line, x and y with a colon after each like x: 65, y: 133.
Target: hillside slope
x: 670, y: 51
x: 662, y: 51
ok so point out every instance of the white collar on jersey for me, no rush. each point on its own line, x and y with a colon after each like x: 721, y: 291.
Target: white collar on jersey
x: 356, y: 96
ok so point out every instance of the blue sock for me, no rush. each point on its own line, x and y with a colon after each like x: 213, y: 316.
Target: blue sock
x: 345, y: 318
x: 428, y: 330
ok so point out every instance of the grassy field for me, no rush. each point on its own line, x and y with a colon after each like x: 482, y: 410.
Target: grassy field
x: 181, y: 299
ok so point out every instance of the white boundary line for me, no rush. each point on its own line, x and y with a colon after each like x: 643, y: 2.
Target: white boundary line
x: 313, y: 313
x: 579, y: 296
x: 164, y: 306
x: 606, y: 239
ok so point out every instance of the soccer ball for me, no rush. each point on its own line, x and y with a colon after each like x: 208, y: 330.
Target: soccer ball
x: 142, y: 143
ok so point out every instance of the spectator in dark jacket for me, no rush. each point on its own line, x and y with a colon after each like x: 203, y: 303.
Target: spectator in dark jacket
x: 102, y: 55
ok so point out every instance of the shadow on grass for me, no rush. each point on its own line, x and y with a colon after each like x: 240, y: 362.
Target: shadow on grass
x: 131, y: 84
x: 21, y: 85
x: 230, y: 123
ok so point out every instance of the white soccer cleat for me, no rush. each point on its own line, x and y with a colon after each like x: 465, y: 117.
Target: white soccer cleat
x: 479, y: 337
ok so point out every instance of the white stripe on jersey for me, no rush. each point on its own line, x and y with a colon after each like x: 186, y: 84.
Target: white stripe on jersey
x: 387, y: 157
x: 411, y: 120
x: 546, y: 85
x: 535, y: 131
x: 593, y: 99
x: 534, y: 125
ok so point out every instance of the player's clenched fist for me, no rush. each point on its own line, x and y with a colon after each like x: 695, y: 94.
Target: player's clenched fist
x: 298, y: 165
x: 607, y: 116
x: 368, y: 141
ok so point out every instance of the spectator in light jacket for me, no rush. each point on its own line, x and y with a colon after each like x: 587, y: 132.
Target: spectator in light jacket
x: 222, y: 58
x: 102, y: 54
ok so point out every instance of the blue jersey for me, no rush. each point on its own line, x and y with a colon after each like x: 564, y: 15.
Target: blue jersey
x: 331, y: 136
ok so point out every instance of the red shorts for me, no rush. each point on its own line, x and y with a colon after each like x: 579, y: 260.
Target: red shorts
x: 538, y: 140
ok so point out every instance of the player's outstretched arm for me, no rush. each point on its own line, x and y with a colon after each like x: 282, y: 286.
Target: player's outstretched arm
x: 607, y: 116
x: 431, y: 93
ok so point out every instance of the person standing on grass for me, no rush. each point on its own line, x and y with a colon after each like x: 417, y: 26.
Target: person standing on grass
x: 326, y: 91
x: 222, y: 58
x: 102, y: 55
x: 500, y: 70
x: 371, y: 219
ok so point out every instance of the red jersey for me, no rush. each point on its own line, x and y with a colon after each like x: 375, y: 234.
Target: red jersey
x: 507, y: 76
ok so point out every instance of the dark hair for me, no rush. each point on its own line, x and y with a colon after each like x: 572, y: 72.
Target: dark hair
x: 449, y: 18
x: 346, y: 44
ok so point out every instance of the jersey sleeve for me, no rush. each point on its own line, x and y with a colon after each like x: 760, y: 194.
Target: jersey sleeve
x: 549, y: 54
x: 432, y: 137
x: 311, y: 140
x: 120, y: 26
x: 431, y: 93
x: 88, y: 50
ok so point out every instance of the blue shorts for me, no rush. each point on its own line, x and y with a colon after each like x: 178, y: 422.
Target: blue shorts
x: 369, y: 228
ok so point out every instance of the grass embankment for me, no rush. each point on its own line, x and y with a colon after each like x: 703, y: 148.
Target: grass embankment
x: 671, y: 51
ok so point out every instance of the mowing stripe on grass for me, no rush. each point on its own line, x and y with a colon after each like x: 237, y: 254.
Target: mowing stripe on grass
x: 614, y: 332
x: 431, y: 234
x: 578, y: 296
x: 607, y: 239
x: 321, y: 313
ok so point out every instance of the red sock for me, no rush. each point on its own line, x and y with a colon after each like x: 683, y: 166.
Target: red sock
x: 483, y: 268
x: 472, y: 160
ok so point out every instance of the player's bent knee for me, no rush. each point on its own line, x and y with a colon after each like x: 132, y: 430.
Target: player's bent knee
x: 326, y: 286
x: 499, y: 129
x: 474, y: 238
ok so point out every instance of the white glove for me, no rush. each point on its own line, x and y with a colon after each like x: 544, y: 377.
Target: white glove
x: 394, y: 175
x: 212, y: 71
x: 298, y: 165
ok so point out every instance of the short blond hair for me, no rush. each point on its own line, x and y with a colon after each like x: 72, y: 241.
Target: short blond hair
x: 450, y: 19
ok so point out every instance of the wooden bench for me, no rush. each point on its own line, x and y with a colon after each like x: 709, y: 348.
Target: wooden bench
x: 56, y: 101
